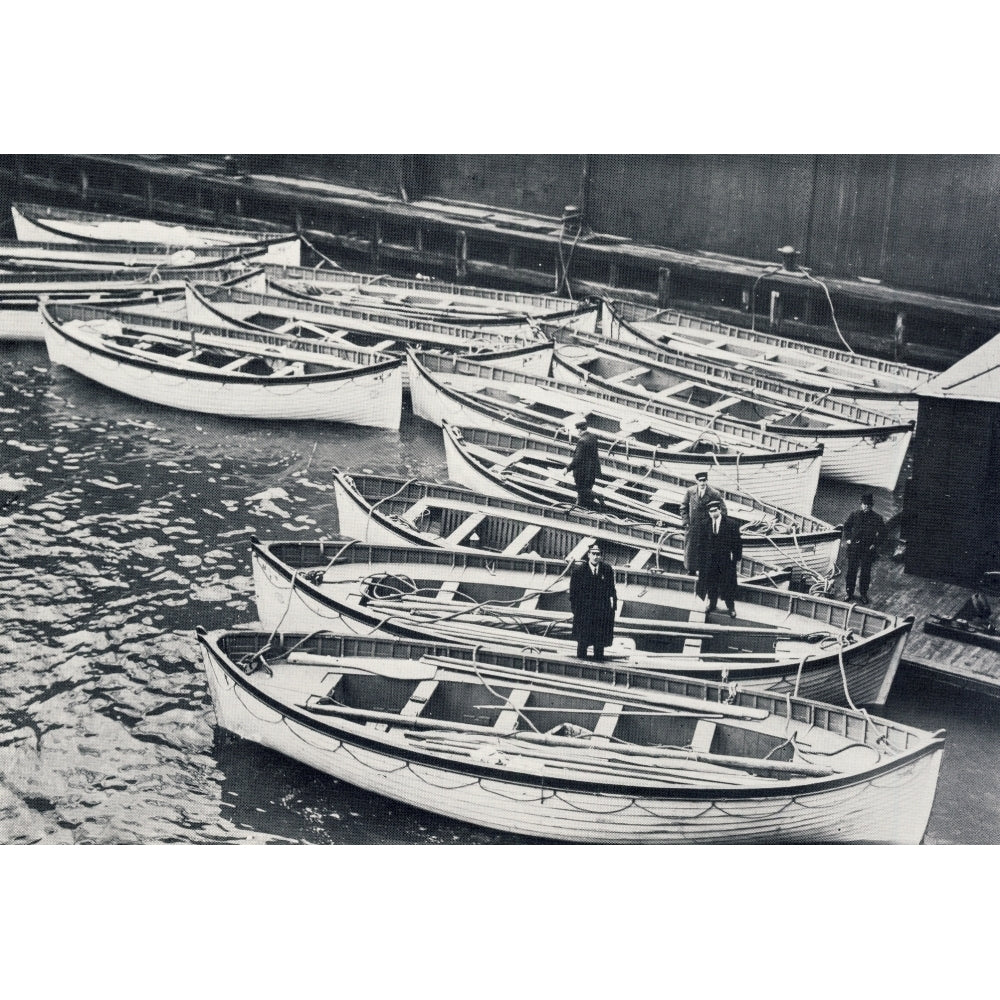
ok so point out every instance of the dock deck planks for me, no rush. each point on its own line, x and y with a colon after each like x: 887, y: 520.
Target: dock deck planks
x: 959, y: 663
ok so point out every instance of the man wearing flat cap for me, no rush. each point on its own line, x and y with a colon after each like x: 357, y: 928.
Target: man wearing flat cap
x: 694, y: 510
x: 864, y: 530
x: 585, y: 464
x: 720, y: 549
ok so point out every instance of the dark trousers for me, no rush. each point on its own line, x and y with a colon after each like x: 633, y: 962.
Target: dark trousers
x: 858, y: 561
x: 585, y: 496
x: 581, y: 651
x: 713, y: 596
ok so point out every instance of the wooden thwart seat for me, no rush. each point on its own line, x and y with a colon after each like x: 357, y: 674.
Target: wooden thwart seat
x: 580, y: 549
x: 505, y: 461
x: 466, y: 528
x: 419, y: 698
x: 607, y: 720
x: 639, y: 560
x: 625, y: 376
x: 411, y: 514
x: 701, y: 741
x: 507, y: 719
x: 519, y: 544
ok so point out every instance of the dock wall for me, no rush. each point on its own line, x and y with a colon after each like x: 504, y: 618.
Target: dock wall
x: 894, y: 254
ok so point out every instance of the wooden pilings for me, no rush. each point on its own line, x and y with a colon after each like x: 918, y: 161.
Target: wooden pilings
x: 899, y: 337
x: 774, y: 312
x: 663, y: 287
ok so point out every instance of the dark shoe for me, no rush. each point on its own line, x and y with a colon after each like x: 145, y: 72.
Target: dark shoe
x: 864, y: 597
x: 731, y: 612
x: 850, y: 596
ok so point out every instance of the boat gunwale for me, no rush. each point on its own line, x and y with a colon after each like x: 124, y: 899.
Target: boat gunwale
x: 689, y: 417
x: 438, y: 316
x: 866, y: 421
x: 500, y: 508
x: 813, y: 528
x: 848, y: 358
x: 873, y: 623
x: 31, y: 211
x: 162, y: 366
x: 929, y: 743
x: 357, y: 280
x: 207, y: 296
x: 157, y: 277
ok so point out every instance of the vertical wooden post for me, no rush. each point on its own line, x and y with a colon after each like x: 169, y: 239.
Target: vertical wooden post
x: 584, y: 192
x: 461, y: 253
x: 84, y: 184
x: 239, y: 207
x: 613, y: 274
x: 775, y: 310
x: 899, y: 337
x: 560, y: 274
x: 298, y: 220
x: 418, y: 240
x: 745, y: 294
x: 808, y: 310
x: 663, y: 287
x: 375, y: 243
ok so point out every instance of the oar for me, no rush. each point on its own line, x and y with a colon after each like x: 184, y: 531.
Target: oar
x: 722, y: 760
x: 570, y: 743
x: 681, y: 773
x: 677, y: 629
x: 627, y: 696
x: 409, y: 670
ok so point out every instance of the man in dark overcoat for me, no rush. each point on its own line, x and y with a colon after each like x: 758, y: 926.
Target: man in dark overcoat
x: 720, y: 549
x: 593, y: 598
x: 585, y: 465
x: 694, y: 510
x: 864, y: 530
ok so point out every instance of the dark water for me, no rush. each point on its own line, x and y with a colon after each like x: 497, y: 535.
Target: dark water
x: 124, y: 526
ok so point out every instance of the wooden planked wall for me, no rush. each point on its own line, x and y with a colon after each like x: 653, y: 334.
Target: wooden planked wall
x: 922, y: 222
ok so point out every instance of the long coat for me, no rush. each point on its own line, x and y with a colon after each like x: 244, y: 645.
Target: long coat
x: 694, y: 510
x: 586, y: 462
x: 718, y: 556
x: 864, y: 530
x: 593, y: 598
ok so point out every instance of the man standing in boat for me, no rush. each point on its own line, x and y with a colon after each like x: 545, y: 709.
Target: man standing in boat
x: 593, y: 598
x: 585, y: 465
x: 694, y: 512
x: 864, y: 530
x: 720, y: 549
